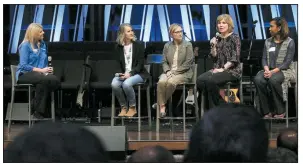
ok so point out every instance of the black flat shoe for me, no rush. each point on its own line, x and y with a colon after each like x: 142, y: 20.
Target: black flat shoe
x: 37, y: 115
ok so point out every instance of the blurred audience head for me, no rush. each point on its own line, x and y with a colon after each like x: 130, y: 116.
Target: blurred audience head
x: 281, y: 155
x: 288, y: 139
x: 229, y: 133
x: 152, y: 154
x: 54, y: 142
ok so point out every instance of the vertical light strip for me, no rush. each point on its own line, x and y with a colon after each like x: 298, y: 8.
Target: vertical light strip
x: 12, y: 29
x: 232, y: 13
x: 122, y: 14
x: 35, y: 13
x: 206, y: 15
x: 66, y: 26
x: 143, y: 22
x: 59, y: 23
x: 262, y: 22
x: 278, y: 10
x: 17, y: 29
x: 167, y: 18
x: 185, y: 21
x: 53, y: 22
x: 273, y: 11
x: 82, y: 23
x: 163, y: 23
x: 294, y: 9
x: 239, y: 21
x: 148, y: 22
x: 106, y: 20
x: 39, y: 14
x: 191, y: 23
x: 76, y: 24
x: 255, y: 16
x: 128, y: 12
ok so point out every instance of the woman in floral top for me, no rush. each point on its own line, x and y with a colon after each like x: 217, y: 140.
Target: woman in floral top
x: 225, y: 51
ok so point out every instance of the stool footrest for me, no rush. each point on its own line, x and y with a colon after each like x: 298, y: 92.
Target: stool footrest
x: 177, y: 118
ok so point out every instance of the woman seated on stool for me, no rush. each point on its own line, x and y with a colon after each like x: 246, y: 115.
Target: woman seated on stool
x: 225, y: 51
x: 278, y: 54
x: 177, y: 66
x: 131, y: 59
x: 33, y: 68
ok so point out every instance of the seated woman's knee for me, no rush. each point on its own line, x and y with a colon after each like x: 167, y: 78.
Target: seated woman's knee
x: 115, y: 85
x: 274, y: 80
x: 126, y: 84
x: 171, y: 82
x: 161, y: 82
x: 52, y: 81
x: 259, y: 77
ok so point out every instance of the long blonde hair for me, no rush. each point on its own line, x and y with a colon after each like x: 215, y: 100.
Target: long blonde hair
x: 121, y: 35
x: 31, y: 34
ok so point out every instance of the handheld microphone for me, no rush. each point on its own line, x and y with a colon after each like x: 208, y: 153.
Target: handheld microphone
x: 49, y: 58
x: 217, y: 37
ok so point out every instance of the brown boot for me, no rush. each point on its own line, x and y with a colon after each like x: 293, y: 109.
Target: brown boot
x: 131, y: 111
x: 123, y: 111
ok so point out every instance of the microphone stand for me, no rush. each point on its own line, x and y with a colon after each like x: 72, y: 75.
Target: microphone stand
x: 86, y: 61
x: 194, y: 50
x: 250, y: 64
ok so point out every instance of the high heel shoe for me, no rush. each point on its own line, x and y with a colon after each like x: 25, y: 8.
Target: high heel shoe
x: 162, y: 114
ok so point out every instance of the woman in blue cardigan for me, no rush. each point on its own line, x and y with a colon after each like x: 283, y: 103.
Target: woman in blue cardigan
x: 33, y: 68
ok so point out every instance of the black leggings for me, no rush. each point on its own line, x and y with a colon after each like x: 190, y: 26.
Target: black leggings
x: 209, y: 83
x: 44, y: 85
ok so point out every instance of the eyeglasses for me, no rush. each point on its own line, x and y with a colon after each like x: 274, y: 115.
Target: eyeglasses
x: 178, y: 32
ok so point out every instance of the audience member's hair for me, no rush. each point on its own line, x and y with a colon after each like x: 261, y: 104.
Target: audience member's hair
x: 54, y: 142
x: 152, y: 154
x: 229, y: 133
x: 288, y: 139
x: 281, y: 155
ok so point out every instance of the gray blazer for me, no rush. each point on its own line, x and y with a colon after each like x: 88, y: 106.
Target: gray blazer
x: 185, y: 58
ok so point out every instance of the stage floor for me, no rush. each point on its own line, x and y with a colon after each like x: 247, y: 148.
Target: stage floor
x: 175, y: 140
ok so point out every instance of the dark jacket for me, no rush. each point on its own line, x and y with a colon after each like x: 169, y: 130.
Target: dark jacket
x: 137, y: 60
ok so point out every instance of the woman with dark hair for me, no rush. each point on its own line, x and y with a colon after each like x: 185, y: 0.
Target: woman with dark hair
x: 278, y: 54
x: 225, y: 52
x: 131, y: 59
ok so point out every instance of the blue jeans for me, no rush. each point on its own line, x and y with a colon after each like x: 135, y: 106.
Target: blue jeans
x: 127, y: 86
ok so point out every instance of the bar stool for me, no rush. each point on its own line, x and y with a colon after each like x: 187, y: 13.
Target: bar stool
x: 146, y: 84
x: 184, y: 118
x: 25, y: 87
x: 228, y: 85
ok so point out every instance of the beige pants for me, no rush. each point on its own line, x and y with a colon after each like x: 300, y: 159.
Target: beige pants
x: 166, y: 87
